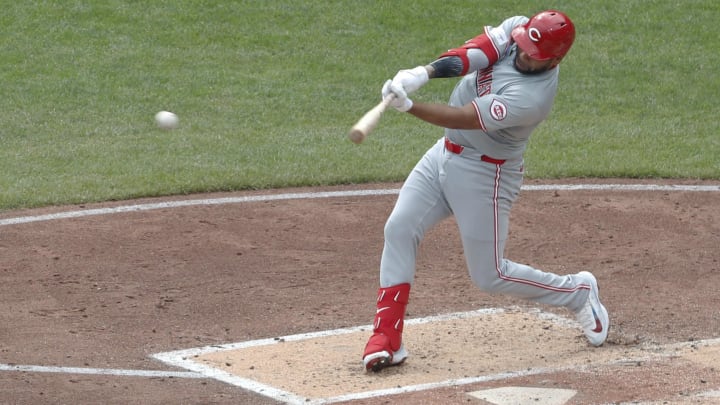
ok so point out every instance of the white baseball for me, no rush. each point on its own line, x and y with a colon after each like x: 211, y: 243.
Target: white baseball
x: 166, y: 120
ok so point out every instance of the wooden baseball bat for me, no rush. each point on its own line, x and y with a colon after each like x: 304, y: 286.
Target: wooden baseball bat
x: 367, y: 123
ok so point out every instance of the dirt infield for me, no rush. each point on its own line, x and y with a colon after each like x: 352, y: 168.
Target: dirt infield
x: 88, y: 298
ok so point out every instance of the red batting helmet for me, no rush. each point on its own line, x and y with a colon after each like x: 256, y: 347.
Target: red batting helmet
x: 548, y: 34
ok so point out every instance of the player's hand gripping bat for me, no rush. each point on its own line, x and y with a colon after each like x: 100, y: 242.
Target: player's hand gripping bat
x: 367, y: 123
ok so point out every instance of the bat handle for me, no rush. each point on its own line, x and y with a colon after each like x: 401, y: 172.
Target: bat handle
x: 386, y: 102
x: 388, y: 99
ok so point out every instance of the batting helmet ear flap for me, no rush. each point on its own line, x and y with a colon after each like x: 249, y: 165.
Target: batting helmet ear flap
x: 547, y: 35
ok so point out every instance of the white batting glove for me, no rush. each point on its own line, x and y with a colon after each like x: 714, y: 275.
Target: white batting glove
x: 401, y: 102
x: 411, y: 79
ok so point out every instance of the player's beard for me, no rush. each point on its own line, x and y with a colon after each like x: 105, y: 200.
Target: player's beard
x: 526, y: 70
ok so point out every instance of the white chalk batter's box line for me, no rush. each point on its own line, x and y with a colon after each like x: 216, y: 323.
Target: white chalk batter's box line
x: 332, y: 194
x: 184, y: 359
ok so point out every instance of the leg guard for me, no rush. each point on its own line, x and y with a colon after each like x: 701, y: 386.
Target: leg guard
x: 384, y: 348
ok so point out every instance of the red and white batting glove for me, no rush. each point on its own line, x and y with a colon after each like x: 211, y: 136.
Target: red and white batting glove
x: 401, y: 102
x: 411, y: 79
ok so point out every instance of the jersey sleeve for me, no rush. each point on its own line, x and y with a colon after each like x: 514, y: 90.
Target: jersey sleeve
x: 487, y: 48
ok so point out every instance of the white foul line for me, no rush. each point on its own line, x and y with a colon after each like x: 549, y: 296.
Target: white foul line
x: 619, y: 187
x: 100, y: 371
x: 188, y: 203
x: 330, y: 194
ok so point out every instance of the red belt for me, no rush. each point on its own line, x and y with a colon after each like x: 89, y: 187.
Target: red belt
x: 457, y: 149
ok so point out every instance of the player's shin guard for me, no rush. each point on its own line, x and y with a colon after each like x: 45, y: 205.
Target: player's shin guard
x: 384, y: 348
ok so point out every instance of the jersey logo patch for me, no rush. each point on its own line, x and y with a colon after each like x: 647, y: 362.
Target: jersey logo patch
x: 498, y: 110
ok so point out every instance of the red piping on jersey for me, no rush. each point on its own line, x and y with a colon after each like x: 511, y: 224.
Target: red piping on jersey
x: 497, y: 253
x: 490, y: 49
x: 479, y: 116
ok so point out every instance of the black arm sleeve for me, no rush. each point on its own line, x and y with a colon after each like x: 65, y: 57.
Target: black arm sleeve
x: 449, y: 66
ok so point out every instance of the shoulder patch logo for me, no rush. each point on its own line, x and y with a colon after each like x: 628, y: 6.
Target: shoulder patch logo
x: 498, y: 110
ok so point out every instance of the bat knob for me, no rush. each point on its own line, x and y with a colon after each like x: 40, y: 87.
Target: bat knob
x: 356, y: 136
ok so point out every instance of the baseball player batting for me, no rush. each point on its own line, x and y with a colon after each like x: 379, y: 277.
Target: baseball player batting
x: 509, y: 78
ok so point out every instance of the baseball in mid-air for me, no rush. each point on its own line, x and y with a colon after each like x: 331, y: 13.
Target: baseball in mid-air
x: 166, y: 120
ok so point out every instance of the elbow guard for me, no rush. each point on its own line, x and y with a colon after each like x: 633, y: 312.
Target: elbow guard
x: 481, y: 42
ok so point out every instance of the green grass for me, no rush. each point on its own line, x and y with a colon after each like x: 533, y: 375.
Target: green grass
x: 266, y: 91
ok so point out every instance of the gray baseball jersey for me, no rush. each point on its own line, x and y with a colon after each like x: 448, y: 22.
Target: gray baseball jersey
x: 509, y: 104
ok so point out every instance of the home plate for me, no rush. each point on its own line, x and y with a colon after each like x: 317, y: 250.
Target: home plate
x: 524, y: 396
